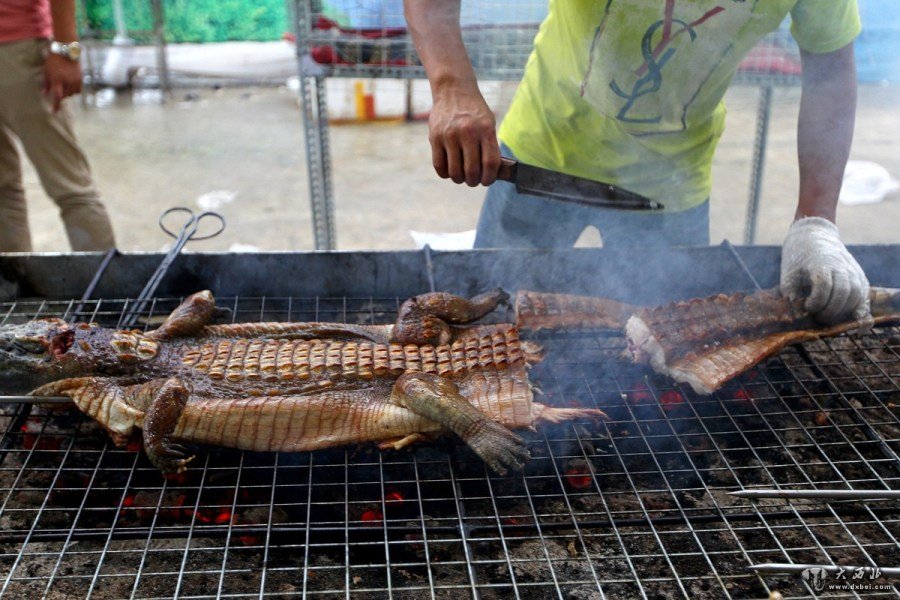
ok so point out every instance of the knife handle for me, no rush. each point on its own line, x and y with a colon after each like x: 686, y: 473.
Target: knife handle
x: 507, y: 170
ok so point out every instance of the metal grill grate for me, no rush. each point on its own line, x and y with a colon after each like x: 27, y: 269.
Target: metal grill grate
x: 634, y: 507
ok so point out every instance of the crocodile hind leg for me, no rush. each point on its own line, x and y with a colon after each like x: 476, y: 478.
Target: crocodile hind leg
x: 159, y: 422
x: 426, y: 319
x: 438, y: 399
x: 188, y: 318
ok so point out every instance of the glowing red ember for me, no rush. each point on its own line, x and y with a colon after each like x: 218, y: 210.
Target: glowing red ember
x: 34, y: 438
x: 743, y: 395
x: 640, y: 393
x: 393, y: 496
x: 373, y: 515
x: 671, y: 399
x: 578, y: 475
x: 178, y: 478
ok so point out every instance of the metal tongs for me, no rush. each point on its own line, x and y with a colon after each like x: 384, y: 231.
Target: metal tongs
x: 188, y: 233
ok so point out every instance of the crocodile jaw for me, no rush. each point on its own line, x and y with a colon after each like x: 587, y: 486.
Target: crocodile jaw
x: 28, y: 352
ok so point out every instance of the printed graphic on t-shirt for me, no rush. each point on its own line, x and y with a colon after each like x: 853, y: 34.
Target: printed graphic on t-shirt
x: 649, y: 61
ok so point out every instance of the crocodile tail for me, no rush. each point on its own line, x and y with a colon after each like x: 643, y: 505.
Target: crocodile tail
x: 553, y: 414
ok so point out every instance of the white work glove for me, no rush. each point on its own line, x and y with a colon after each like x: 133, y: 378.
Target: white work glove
x: 815, y: 265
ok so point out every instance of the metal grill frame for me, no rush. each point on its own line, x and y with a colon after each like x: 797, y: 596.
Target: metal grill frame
x: 654, y: 519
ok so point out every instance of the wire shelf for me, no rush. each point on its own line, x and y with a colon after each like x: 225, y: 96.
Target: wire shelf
x: 637, y: 506
x: 369, y: 38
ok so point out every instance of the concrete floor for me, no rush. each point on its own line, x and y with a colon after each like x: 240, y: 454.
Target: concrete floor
x: 148, y: 157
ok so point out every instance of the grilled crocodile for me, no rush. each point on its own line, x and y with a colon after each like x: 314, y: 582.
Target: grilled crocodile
x: 292, y: 386
x: 705, y: 342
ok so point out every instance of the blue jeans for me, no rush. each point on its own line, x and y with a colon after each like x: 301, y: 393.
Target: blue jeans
x: 512, y: 220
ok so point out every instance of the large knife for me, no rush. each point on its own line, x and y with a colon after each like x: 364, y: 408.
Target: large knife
x: 568, y: 188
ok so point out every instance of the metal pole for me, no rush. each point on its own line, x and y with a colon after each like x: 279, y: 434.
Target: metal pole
x: 825, y: 494
x: 319, y: 201
x: 88, y: 68
x: 159, y: 36
x: 315, y: 129
x: 763, y: 114
x: 35, y: 400
x: 327, y: 205
x: 121, y: 38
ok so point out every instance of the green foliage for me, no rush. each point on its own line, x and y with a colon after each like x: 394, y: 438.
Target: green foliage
x: 195, y: 20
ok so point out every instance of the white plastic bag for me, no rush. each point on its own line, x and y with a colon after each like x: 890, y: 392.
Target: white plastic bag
x: 866, y: 182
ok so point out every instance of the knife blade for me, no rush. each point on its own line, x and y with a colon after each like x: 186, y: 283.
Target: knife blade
x: 568, y: 188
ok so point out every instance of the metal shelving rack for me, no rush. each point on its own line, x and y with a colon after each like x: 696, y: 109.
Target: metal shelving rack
x: 99, y: 42
x: 368, y: 39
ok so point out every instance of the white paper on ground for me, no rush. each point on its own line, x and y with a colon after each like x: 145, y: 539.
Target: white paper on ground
x: 866, y: 182
x: 216, y: 199
x: 238, y: 247
x: 462, y: 240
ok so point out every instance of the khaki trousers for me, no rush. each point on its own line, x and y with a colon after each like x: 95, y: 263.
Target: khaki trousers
x: 49, y: 141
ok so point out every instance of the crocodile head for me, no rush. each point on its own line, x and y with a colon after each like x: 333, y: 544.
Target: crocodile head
x: 29, y: 353
x: 46, y: 350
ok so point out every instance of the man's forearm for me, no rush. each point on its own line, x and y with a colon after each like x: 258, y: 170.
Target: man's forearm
x: 436, y: 32
x: 825, y: 129
x: 64, y: 25
x: 462, y: 128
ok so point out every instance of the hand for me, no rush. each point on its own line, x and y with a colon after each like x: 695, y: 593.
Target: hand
x: 816, y: 265
x: 463, y: 136
x: 62, y: 78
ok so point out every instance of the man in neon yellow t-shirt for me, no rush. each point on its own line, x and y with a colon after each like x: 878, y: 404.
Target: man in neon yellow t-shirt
x: 630, y: 92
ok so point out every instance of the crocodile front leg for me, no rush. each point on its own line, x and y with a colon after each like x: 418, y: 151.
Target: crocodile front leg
x: 154, y: 406
x: 438, y: 399
x: 426, y: 319
x: 113, y: 406
x: 159, y: 422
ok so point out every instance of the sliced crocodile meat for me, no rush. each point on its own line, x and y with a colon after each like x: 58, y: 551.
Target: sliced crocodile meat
x: 705, y: 342
x: 541, y: 310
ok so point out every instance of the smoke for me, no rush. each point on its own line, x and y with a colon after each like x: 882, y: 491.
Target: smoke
x: 636, y: 275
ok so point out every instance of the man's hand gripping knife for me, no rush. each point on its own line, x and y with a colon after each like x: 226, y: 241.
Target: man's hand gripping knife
x: 816, y: 265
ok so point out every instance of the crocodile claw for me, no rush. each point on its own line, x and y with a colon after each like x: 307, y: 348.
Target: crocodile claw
x: 167, y: 456
x: 499, y: 447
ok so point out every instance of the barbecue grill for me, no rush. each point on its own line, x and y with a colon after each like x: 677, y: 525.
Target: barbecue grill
x: 637, y: 506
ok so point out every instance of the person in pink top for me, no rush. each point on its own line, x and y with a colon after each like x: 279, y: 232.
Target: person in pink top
x: 39, y: 68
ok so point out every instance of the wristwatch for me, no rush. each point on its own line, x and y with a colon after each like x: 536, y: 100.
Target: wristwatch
x: 71, y: 50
